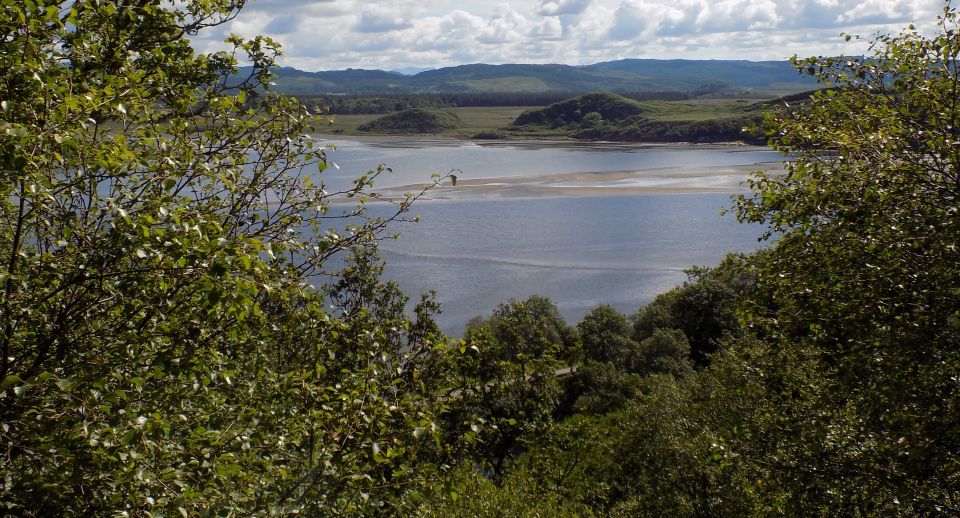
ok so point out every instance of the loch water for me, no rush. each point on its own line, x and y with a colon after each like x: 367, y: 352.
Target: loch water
x: 580, y: 251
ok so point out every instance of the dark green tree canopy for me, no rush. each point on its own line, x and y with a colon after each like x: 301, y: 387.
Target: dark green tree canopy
x: 507, y: 383
x: 605, y: 335
x: 704, y: 308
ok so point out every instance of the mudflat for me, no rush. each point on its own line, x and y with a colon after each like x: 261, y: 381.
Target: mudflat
x: 671, y: 180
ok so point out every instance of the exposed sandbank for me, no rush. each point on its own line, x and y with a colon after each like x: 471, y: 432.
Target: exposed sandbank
x: 652, y: 181
x: 415, y: 141
x: 673, y: 180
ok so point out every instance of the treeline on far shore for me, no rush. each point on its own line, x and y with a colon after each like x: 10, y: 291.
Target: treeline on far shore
x: 360, y: 104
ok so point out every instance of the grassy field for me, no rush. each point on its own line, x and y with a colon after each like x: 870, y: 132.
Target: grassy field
x: 491, y: 119
x: 696, y: 110
x: 346, y: 124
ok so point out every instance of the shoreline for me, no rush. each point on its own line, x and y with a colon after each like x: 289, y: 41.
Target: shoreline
x: 415, y: 140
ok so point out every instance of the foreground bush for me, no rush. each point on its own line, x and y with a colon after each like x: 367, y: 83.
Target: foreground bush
x: 163, y: 345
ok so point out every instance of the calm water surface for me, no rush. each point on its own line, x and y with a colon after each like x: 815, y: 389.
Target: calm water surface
x: 580, y: 251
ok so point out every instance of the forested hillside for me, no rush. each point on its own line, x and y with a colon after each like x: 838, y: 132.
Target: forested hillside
x: 694, y: 77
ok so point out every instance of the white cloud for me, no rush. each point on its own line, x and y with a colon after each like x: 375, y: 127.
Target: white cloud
x: 561, y: 7
x: 645, y: 19
x: 506, y: 26
x: 380, y: 21
x: 333, y: 34
x: 282, y: 25
x: 737, y: 15
x: 550, y: 28
x: 878, y: 11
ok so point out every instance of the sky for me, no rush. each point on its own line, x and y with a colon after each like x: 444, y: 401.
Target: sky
x: 415, y: 35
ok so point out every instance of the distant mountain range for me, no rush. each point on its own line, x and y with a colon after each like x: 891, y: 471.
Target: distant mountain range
x: 624, y: 76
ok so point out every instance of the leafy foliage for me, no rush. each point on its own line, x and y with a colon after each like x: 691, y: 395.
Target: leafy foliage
x: 164, y: 346
x: 507, y: 387
x: 865, y: 273
x: 667, y: 351
x: 605, y: 335
x: 598, y: 388
x: 534, y: 328
x: 471, y: 495
x: 704, y: 308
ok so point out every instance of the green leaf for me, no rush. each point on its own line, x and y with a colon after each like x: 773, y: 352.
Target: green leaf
x: 9, y: 381
x: 215, y: 295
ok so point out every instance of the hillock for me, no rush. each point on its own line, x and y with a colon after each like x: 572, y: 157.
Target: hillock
x: 582, y: 109
x: 616, y: 118
x: 413, y: 120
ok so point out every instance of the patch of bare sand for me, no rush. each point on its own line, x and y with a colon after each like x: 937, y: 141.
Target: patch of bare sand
x: 612, y: 183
